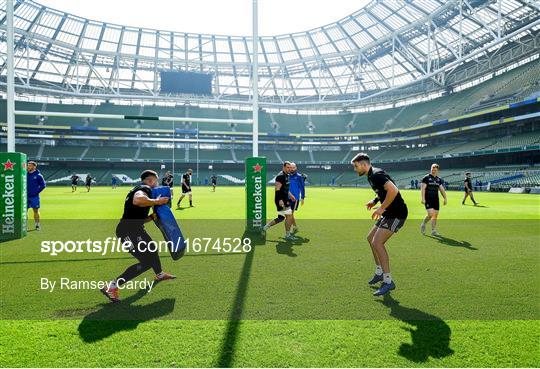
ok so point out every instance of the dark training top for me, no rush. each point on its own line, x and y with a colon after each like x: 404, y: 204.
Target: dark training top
x: 167, y: 180
x: 468, y: 184
x: 74, y: 179
x: 136, y: 214
x: 283, y: 193
x: 377, y: 178
x: 432, y: 185
x: 213, y: 179
x: 187, y: 180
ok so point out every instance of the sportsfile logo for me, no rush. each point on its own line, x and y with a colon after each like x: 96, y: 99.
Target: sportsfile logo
x: 8, y: 198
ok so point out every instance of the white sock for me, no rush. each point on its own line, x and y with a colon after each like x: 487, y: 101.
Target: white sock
x: 378, y: 270
x: 387, y: 278
x: 112, y: 284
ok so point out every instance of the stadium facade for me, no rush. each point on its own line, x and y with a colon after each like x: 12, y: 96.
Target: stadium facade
x: 412, y: 82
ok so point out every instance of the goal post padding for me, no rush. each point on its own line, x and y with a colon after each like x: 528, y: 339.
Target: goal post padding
x: 255, y: 193
x: 13, y: 215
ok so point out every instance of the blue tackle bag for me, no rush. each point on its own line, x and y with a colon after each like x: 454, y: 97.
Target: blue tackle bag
x: 167, y: 224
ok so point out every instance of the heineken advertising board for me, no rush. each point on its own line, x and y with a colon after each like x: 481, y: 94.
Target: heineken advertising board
x: 12, y: 196
x: 255, y: 193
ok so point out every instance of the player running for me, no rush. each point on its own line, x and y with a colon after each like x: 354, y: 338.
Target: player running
x: 429, y: 188
x: 88, y: 182
x: 468, y: 189
x: 74, y: 179
x: 186, y: 188
x: 131, y: 229
x: 282, y: 199
x: 213, y: 180
x: 390, y: 215
x: 298, y: 190
x: 35, y: 183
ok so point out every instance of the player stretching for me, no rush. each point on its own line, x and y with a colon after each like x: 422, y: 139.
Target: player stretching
x: 213, y: 179
x: 35, y: 183
x: 88, y: 182
x: 131, y: 229
x: 282, y: 199
x: 390, y: 215
x: 74, y: 179
x: 429, y: 188
x: 468, y: 189
x: 298, y: 190
x: 186, y: 188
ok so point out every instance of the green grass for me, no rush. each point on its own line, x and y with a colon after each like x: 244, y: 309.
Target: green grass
x: 470, y: 299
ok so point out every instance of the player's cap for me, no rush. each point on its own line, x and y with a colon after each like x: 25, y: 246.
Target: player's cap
x: 147, y: 173
x: 360, y: 157
x: 32, y: 162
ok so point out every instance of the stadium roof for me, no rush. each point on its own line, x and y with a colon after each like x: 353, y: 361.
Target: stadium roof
x: 383, y: 47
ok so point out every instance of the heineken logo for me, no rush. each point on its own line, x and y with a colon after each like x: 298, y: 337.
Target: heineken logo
x: 8, y: 200
x: 12, y: 196
x: 8, y: 165
x: 258, y: 198
x: 256, y: 192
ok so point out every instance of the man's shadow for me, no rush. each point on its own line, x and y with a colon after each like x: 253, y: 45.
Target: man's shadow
x: 123, y: 316
x: 476, y: 206
x: 285, y: 247
x: 455, y: 243
x: 430, y: 335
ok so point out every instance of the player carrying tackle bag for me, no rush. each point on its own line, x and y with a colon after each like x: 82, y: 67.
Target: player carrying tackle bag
x: 131, y: 230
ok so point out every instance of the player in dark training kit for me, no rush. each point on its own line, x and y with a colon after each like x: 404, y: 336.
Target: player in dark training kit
x: 130, y: 229
x: 390, y: 216
x: 468, y: 189
x: 88, y: 182
x: 430, y: 186
x: 186, y: 188
x: 282, y: 198
x: 74, y: 180
x: 168, y: 180
x: 213, y: 180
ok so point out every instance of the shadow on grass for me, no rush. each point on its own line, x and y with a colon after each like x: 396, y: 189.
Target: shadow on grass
x: 228, y: 345
x: 285, y: 247
x: 124, y: 316
x: 476, y: 206
x: 430, y: 334
x: 454, y: 243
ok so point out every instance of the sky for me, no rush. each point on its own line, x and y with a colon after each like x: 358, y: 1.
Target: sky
x: 228, y: 17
